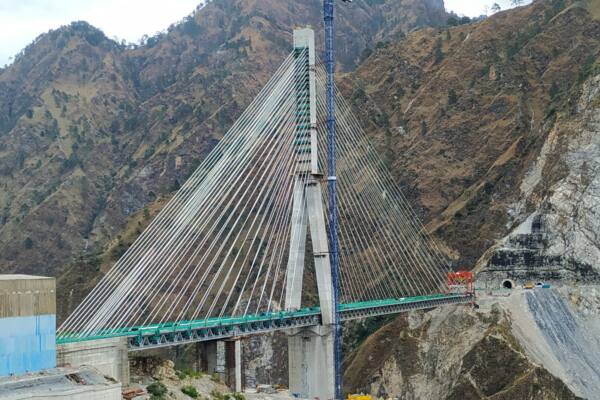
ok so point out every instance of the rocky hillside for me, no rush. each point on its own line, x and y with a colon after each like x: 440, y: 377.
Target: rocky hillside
x: 451, y: 354
x: 491, y: 129
x: 92, y: 132
x: 475, y: 122
x: 558, y: 235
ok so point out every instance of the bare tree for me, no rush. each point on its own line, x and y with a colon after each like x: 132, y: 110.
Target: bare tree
x: 516, y: 3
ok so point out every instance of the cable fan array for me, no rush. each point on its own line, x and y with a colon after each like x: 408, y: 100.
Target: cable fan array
x: 220, y: 246
x: 384, y: 249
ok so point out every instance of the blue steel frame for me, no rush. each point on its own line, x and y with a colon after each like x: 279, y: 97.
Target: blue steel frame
x: 328, y: 12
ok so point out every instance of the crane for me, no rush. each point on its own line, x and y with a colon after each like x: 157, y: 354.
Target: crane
x: 328, y: 14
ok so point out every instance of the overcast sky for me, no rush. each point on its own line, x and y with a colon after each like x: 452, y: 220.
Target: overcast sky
x: 21, y: 21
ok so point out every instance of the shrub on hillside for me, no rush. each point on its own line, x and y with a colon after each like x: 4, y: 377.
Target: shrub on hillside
x: 190, y: 391
x: 157, y: 389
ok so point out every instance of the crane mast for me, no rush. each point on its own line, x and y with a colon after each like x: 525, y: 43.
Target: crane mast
x: 328, y: 13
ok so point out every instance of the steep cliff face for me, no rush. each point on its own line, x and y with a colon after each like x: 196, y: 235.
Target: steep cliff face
x: 454, y: 353
x: 558, y: 204
x: 501, y: 153
x: 561, y: 331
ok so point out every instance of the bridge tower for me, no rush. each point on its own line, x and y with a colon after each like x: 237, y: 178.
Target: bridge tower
x: 311, y: 350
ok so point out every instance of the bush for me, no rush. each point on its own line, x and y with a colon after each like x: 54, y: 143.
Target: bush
x: 184, y: 373
x: 238, y: 396
x: 190, y: 391
x: 452, y: 97
x: 157, y: 389
x: 28, y: 243
x: 554, y: 90
x: 438, y: 54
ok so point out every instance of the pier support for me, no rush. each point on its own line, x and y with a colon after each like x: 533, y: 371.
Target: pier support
x: 311, y: 363
x: 223, y: 358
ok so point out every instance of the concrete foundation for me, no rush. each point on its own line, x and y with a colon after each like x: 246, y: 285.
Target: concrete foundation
x: 311, y: 361
x: 109, y: 356
x: 84, y: 383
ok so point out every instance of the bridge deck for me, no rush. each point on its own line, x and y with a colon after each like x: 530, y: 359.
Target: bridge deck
x: 168, y: 334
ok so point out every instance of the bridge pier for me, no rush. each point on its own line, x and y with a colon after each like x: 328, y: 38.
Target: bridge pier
x: 223, y: 358
x: 311, y: 362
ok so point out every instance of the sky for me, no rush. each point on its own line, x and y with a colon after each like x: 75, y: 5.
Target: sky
x: 21, y: 21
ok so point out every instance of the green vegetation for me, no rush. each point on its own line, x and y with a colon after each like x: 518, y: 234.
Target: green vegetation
x: 589, y: 67
x: 188, y: 373
x: 452, y: 97
x: 216, y: 395
x: 28, y: 243
x: 423, y: 128
x: 455, y: 20
x: 553, y: 91
x: 190, y: 391
x: 157, y: 390
x: 237, y: 396
x: 438, y: 54
x: 190, y: 26
x: 70, y: 163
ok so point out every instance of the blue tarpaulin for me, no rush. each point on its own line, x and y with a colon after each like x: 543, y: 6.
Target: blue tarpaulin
x: 27, y: 344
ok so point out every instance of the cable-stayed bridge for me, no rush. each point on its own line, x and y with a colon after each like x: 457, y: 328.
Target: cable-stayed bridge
x: 243, y: 247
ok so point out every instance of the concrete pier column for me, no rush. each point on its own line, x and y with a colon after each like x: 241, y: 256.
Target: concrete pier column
x: 239, y: 387
x: 223, y: 358
x: 198, y: 357
x: 212, y: 358
x: 233, y: 360
x: 311, y: 363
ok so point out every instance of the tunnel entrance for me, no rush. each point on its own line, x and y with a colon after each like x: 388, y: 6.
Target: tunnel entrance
x: 508, y: 284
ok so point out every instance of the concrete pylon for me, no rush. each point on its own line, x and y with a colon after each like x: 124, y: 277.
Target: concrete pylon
x: 311, y: 350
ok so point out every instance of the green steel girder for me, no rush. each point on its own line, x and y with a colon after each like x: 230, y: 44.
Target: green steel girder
x: 173, y: 333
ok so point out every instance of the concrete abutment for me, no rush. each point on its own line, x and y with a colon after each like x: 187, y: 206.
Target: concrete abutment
x: 109, y: 356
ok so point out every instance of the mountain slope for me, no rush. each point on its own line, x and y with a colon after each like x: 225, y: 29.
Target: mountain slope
x: 91, y: 132
x: 462, y: 114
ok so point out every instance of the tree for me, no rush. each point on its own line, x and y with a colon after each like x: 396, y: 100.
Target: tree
x: 554, y: 90
x: 452, y: 97
x: 495, y: 8
x: 28, y: 243
x: 516, y: 3
x: 464, y: 20
x: 438, y: 55
x: 452, y: 20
